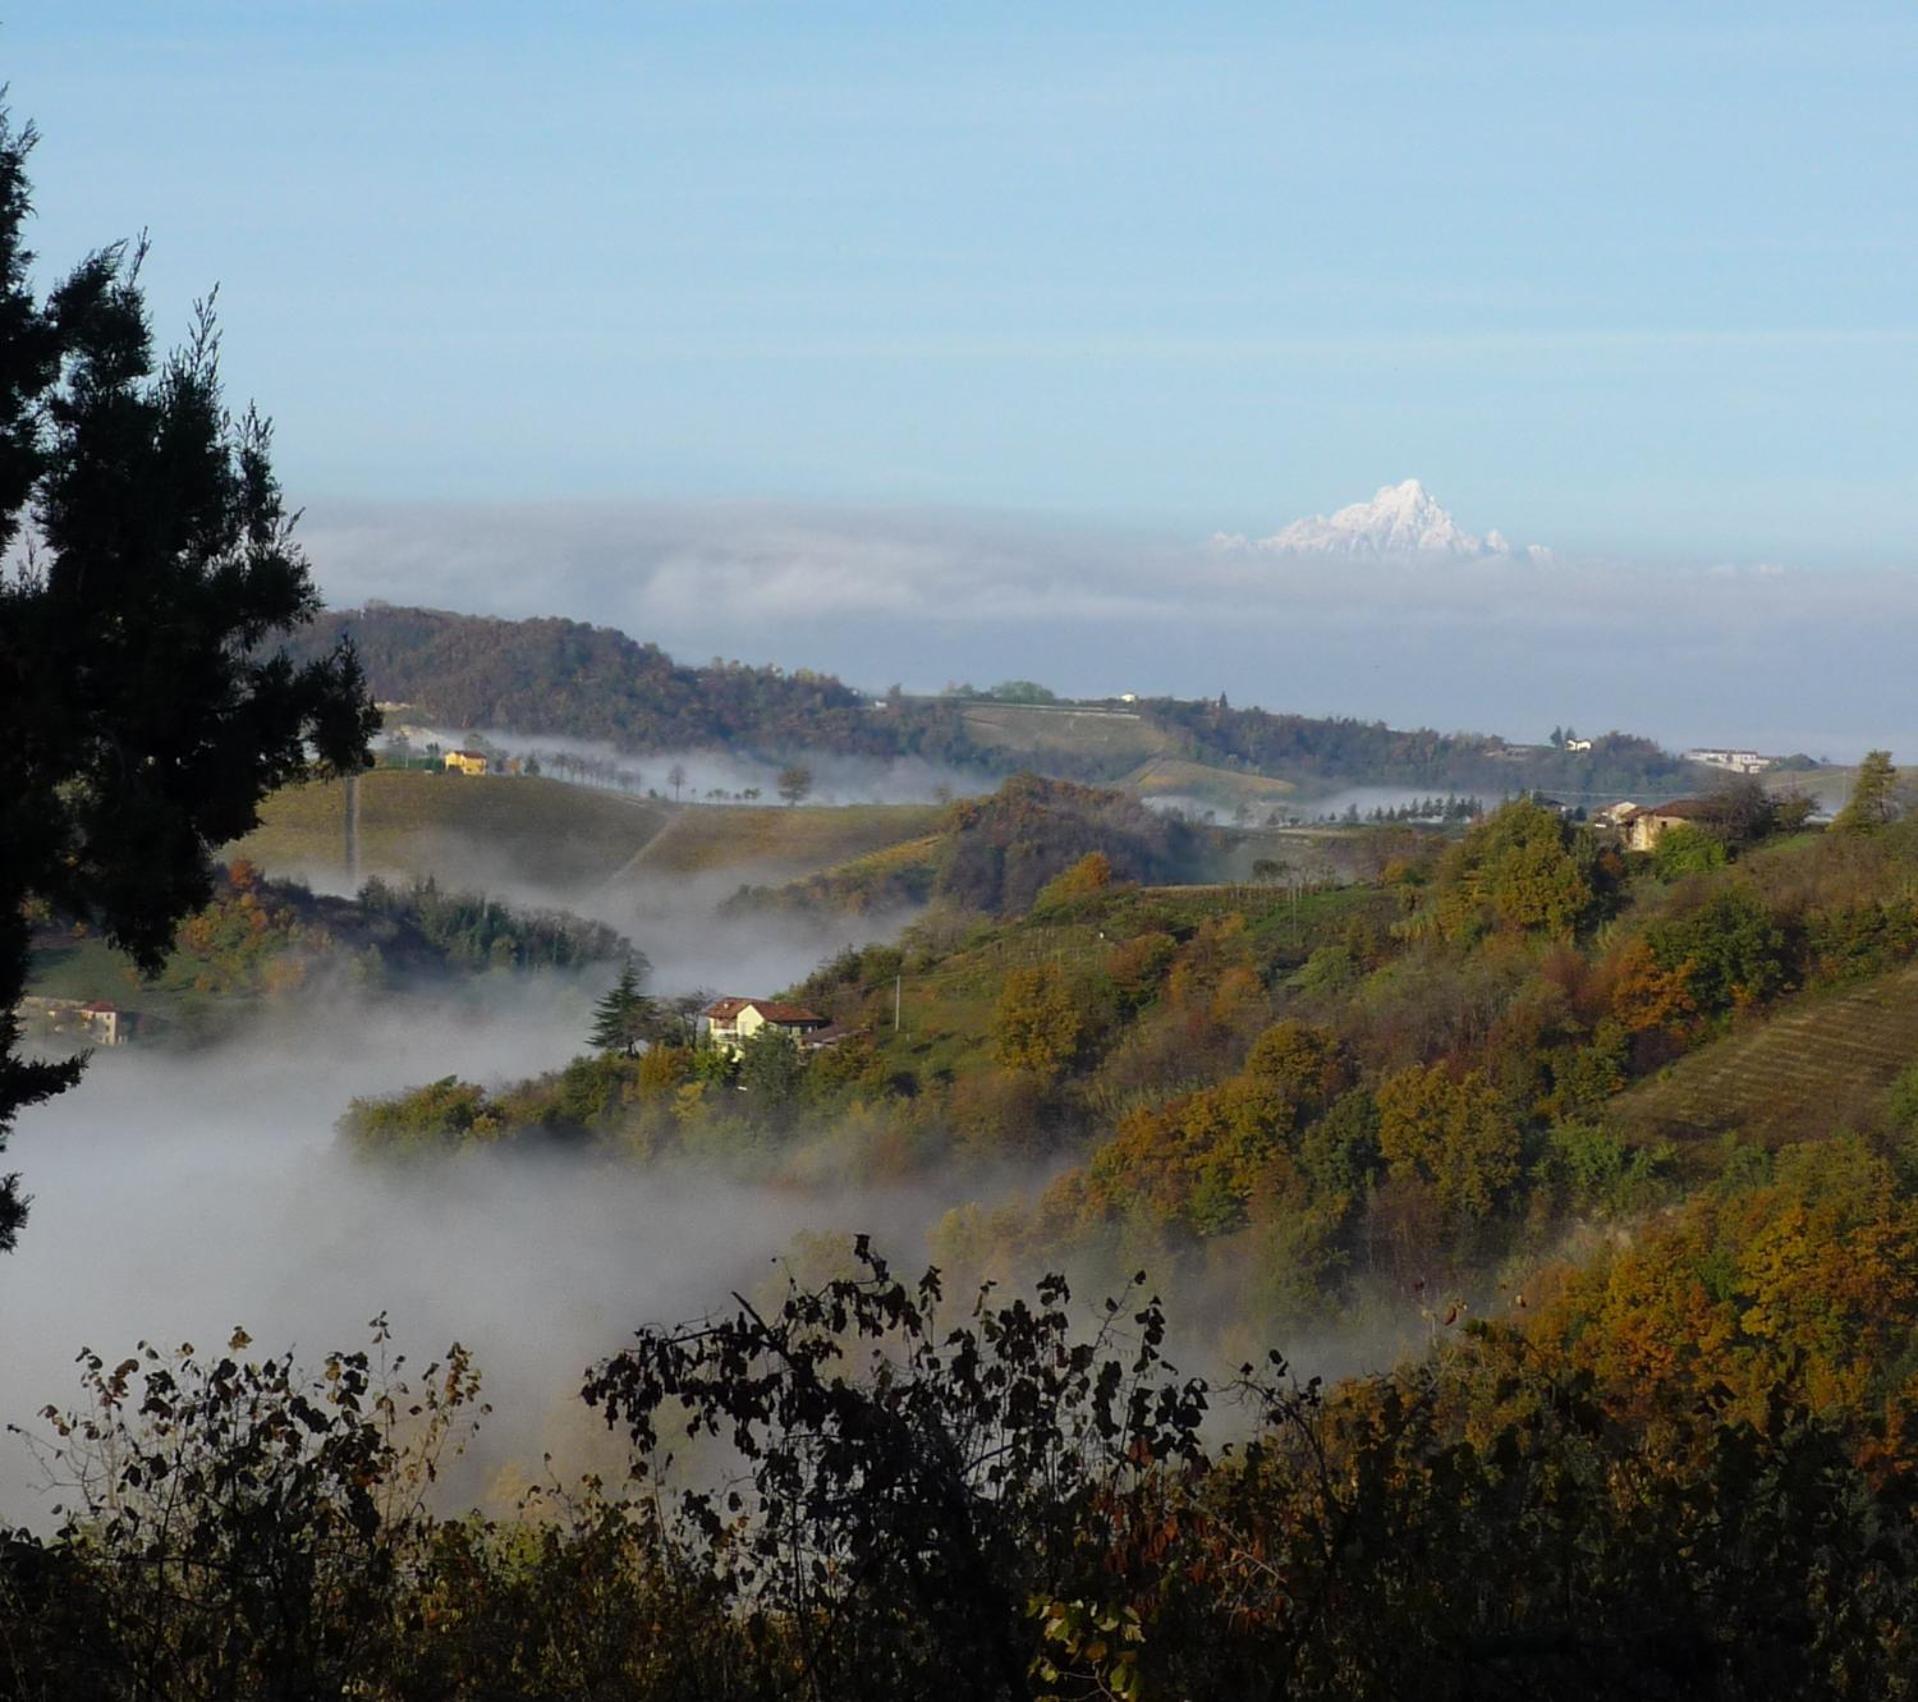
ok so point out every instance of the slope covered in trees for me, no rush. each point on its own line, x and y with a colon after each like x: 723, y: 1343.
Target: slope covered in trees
x: 996, y: 853
x: 1299, y: 1099
x: 563, y: 678
x: 1303, y: 747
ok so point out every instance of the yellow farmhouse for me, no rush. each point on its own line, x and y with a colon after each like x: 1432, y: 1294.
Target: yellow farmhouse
x: 731, y: 1023
x: 1644, y: 828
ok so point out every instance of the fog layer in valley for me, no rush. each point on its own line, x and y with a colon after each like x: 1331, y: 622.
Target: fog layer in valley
x: 175, y: 1197
x: 674, y: 921
x: 719, y: 776
x: 179, y: 1194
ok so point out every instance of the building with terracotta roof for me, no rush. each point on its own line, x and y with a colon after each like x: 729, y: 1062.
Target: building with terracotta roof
x: 1644, y: 828
x: 94, y: 1021
x: 730, y: 1023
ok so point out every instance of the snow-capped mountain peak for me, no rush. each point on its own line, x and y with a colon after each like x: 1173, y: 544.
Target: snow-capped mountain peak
x: 1401, y: 520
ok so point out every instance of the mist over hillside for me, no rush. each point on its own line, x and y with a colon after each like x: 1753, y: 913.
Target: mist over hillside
x: 178, y: 1197
x: 761, y: 955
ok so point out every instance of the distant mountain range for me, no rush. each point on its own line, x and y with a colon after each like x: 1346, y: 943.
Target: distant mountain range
x: 1402, y: 520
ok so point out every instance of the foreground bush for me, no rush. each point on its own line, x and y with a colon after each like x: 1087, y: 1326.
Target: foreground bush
x: 847, y: 1497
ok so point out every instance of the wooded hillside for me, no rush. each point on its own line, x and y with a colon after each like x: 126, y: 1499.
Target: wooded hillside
x: 567, y: 679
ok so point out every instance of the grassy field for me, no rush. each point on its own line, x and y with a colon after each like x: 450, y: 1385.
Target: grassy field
x: 1108, y: 739
x: 776, y: 840
x: 91, y: 969
x: 1824, y: 1061
x: 1223, y: 789
x: 564, y: 838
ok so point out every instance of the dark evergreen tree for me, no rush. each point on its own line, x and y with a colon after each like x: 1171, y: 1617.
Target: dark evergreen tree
x: 626, y: 1018
x: 146, y: 702
x: 1873, y: 800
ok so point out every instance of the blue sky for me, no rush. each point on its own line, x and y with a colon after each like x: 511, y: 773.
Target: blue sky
x: 1634, y: 281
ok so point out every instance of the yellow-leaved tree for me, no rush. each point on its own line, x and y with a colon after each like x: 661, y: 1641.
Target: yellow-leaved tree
x: 1037, y: 1026
x: 1451, y: 1133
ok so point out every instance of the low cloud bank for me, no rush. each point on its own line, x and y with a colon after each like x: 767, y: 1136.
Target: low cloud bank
x: 177, y: 1197
x: 1783, y: 659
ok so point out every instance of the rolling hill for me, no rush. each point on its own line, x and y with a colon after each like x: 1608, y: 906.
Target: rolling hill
x: 1170, y: 778
x: 542, y: 832
x: 567, y: 680
x: 564, y: 840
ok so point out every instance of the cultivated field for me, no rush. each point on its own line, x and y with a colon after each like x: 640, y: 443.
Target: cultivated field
x: 1221, y: 789
x: 566, y: 839
x: 776, y: 840
x: 1107, y: 741
x: 1824, y: 1062
x: 483, y: 828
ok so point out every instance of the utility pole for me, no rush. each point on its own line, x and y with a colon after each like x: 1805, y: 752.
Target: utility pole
x: 352, y: 814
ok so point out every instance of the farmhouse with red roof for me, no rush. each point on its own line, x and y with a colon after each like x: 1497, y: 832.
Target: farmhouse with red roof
x: 730, y: 1023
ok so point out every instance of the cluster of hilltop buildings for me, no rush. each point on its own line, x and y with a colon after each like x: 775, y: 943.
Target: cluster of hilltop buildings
x: 1734, y: 762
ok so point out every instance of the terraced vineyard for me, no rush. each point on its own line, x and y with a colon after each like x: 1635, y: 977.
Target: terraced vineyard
x: 1822, y: 1063
x: 774, y: 840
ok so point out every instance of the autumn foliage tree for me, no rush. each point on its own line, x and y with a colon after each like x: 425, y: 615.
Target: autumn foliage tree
x: 1086, y: 879
x: 1037, y: 1026
x: 1451, y: 1133
x: 1516, y: 869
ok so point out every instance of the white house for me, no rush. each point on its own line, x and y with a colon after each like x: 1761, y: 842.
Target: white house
x: 1737, y: 762
x: 92, y: 1020
x: 730, y: 1023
